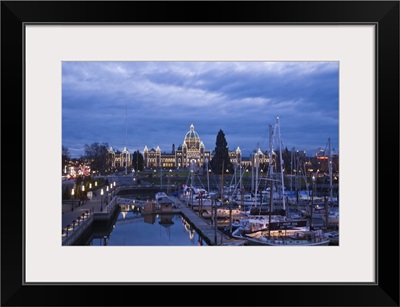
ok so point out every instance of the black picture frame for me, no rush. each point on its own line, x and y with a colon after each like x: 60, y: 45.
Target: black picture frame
x: 383, y: 14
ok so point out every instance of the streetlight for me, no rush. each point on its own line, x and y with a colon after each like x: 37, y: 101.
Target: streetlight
x: 72, y: 194
x: 101, y: 193
x: 107, y: 193
x: 83, y: 190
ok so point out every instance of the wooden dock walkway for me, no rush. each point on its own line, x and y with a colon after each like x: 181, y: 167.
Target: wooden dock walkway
x: 204, y: 228
x: 72, y: 229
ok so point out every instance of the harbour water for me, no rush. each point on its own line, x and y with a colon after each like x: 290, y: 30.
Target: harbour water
x: 134, y: 229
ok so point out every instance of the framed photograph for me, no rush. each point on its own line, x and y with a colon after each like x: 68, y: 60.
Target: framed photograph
x: 78, y: 74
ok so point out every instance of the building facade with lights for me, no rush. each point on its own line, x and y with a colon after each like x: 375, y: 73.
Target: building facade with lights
x: 118, y: 158
x: 191, y: 152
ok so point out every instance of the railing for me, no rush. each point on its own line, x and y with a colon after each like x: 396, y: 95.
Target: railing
x: 72, y: 232
x: 109, y: 208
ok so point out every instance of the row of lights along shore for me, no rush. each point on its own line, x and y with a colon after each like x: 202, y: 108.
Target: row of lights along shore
x: 109, y: 190
x: 84, y: 216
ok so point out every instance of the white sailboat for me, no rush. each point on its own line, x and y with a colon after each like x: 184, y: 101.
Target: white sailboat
x: 282, y: 232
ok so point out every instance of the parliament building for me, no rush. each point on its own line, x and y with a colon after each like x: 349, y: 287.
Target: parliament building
x: 191, y: 151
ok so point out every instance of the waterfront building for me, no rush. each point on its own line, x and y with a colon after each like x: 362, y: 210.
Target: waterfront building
x: 120, y: 159
x: 192, y: 151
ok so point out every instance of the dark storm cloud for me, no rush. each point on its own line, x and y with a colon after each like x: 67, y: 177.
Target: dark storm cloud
x: 137, y: 104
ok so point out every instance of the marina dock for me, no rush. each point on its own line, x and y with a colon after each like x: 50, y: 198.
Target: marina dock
x: 203, y: 226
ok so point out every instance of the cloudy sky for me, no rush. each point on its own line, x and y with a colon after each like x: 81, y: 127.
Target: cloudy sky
x: 138, y: 104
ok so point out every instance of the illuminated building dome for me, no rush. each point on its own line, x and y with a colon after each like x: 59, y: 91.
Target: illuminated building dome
x: 192, y: 139
x: 192, y: 134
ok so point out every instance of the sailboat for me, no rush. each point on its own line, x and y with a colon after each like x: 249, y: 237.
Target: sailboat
x: 281, y: 232
x: 274, y: 178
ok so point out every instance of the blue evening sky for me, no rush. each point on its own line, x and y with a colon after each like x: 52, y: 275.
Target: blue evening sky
x: 138, y: 104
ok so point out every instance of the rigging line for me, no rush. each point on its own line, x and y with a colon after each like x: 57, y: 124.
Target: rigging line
x: 126, y: 124
x: 325, y: 150
x: 198, y: 177
x: 126, y: 137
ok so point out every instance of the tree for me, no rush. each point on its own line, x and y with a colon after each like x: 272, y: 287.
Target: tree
x: 109, y: 161
x: 66, y: 193
x: 221, y: 161
x: 97, y: 155
x: 137, y: 161
x: 65, y: 157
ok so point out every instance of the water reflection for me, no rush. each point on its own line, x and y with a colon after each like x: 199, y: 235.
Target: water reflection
x: 132, y: 228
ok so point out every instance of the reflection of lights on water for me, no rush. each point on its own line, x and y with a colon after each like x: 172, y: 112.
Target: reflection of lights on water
x: 187, y: 227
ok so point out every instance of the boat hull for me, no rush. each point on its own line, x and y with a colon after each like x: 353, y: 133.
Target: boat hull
x: 286, y: 242
x: 291, y: 237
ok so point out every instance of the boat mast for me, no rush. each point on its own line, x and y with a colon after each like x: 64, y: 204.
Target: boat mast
x: 222, y: 183
x: 271, y: 165
x: 281, y: 162
x: 270, y: 207
x: 296, y: 178
x: 191, y: 174
x: 241, y: 182
x: 330, y: 167
x: 208, y: 177
x: 252, y: 172
x: 126, y: 138
x: 291, y: 170
x: 271, y: 169
x: 257, y: 162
